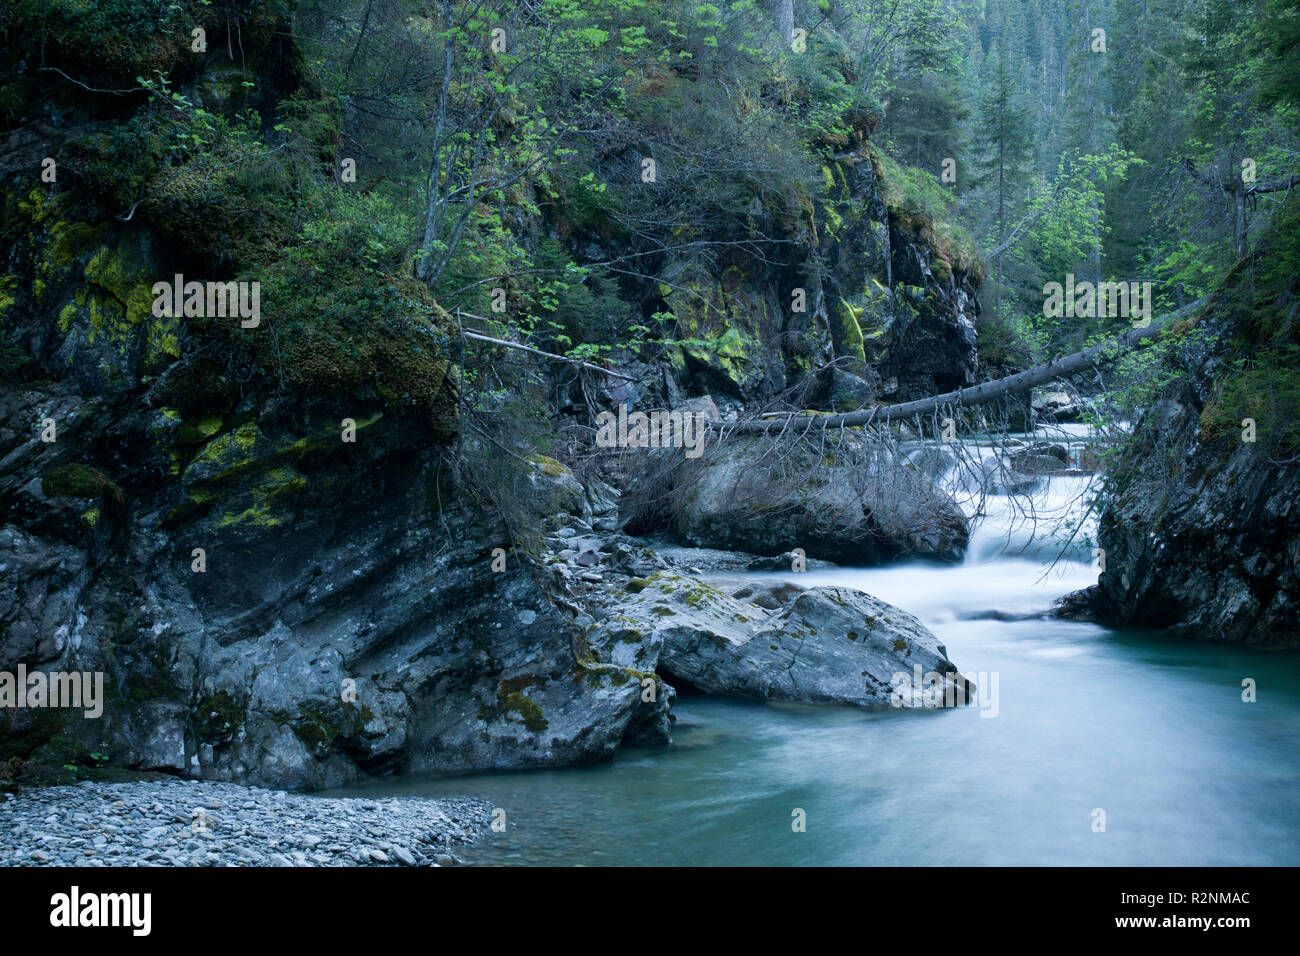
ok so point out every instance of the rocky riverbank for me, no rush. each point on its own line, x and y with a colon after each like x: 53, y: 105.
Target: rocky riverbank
x: 1200, y: 529
x: 196, y: 823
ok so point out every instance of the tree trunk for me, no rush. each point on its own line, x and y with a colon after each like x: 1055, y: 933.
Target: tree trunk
x: 434, y: 212
x: 975, y: 395
x: 1239, y: 223
x: 785, y: 21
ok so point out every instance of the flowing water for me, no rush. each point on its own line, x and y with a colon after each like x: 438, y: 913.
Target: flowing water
x: 1150, y: 730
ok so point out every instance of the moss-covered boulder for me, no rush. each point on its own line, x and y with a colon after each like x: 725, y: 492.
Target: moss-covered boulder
x: 821, y: 645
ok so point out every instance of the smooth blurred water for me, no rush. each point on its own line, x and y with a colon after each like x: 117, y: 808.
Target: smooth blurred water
x: 1150, y: 729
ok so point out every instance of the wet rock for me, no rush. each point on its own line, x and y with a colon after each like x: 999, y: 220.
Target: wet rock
x: 1057, y: 405
x: 772, y: 595
x: 997, y: 477
x: 1202, y: 532
x: 1040, y: 458
x: 827, y: 644
x: 850, y: 509
x: 790, y: 561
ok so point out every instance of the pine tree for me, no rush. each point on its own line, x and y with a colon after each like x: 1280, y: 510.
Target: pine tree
x: 1004, y: 148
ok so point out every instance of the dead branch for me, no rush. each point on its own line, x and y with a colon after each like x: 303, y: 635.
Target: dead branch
x: 528, y: 348
x: 974, y: 395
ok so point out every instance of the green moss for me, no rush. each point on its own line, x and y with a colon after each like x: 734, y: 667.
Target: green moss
x: 264, y: 512
x: 8, y: 285
x: 229, y: 455
x: 718, y: 322
x: 527, y: 709
x: 850, y: 332
x: 116, y: 295
x: 316, y: 730
x: 1264, y: 388
x: 245, y: 477
x: 549, y: 466
x: 113, y: 270
x: 79, y: 481
x: 217, y: 718
x: 124, y: 305
x: 511, y: 699
x: 194, y: 433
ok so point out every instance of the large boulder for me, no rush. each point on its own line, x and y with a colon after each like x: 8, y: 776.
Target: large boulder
x: 854, y: 504
x: 1209, y: 547
x: 778, y: 641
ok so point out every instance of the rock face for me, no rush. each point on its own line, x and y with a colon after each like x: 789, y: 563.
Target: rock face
x: 887, y: 317
x: 931, y: 341
x: 825, y: 644
x: 902, y: 307
x: 345, y: 627
x: 864, y: 507
x: 1212, y: 550
x: 1202, y: 530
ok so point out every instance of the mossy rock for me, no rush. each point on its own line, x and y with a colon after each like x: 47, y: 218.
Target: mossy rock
x: 549, y: 466
x: 218, y: 718
x: 527, y: 709
x: 80, y: 481
x: 848, y: 338
x: 511, y: 699
x: 244, y: 480
x: 366, y: 330
x: 319, y: 728
x: 111, y: 41
x: 229, y: 218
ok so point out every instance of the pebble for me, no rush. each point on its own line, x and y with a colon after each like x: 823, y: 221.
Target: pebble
x: 152, y: 823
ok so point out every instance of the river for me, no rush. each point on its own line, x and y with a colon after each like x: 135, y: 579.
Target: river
x: 1150, y: 730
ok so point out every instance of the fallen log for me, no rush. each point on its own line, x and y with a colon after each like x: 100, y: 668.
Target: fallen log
x: 973, y: 395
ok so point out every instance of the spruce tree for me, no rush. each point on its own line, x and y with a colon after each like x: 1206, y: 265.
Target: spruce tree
x: 1003, y: 147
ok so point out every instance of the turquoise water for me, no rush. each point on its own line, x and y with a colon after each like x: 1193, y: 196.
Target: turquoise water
x: 1149, y: 729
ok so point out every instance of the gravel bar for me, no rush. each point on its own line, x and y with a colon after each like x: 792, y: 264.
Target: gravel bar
x: 200, y: 823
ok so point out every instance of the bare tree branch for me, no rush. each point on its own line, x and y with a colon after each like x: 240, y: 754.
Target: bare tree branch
x: 975, y: 394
